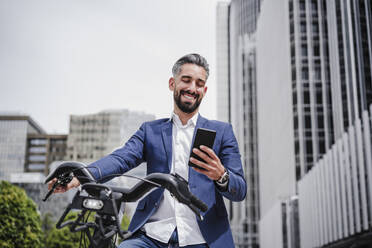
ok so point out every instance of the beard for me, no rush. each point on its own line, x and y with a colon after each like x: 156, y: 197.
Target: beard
x: 186, y: 107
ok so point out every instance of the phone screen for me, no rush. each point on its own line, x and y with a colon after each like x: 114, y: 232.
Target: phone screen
x: 203, y: 137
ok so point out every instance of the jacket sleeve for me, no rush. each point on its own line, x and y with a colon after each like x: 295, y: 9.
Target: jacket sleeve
x: 230, y: 158
x: 122, y: 159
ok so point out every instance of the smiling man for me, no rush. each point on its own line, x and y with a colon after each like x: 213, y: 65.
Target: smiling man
x: 165, y: 145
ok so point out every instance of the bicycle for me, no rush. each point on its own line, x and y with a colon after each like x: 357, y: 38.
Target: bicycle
x: 108, y: 202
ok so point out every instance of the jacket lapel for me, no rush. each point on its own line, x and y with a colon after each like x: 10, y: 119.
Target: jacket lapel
x: 167, y: 141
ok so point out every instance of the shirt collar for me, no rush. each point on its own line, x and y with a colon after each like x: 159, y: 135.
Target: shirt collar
x: 176, y: 120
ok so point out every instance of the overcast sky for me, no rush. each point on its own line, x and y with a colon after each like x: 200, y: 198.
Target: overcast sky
x: 63, y: 57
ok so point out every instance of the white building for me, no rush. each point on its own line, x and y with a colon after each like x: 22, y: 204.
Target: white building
x: 236, y: 103
x: 335, y: 197
x: 222, y: 70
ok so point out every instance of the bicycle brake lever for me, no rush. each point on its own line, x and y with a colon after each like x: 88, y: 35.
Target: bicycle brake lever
x: 55, y: 185
x: 63, y: 181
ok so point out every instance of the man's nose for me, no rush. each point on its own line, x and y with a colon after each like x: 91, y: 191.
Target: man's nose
x: 192, y: 86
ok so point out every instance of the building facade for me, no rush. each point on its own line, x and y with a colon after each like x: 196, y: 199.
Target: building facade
x: 341, y: 191
x: 276, y: 152
x: 335, y: 197
x: 350, y: 49
x: 236, y: 62
x: 222, y: 63
x: 313, y: 86
x: 93, y: 136
x: 13, y: 138
x: 42, y: 150
x: 310, y: 81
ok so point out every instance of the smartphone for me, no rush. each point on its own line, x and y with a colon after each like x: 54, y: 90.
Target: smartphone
x: 203, y: 137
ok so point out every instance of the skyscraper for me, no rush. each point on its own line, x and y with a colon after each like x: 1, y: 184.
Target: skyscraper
x: 313, y: 85
x: 236, y: 49
x: 350, y: 49
x: 339, y: 187
x: 222, y: 54
x: 277, y: 166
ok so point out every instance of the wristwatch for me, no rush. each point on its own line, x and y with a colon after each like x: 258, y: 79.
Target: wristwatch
x: 224, y: 178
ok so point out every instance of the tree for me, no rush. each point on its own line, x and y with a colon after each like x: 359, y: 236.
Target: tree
x: 20, y: 224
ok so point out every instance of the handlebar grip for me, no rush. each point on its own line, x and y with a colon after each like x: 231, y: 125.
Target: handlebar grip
x: 198, y: 203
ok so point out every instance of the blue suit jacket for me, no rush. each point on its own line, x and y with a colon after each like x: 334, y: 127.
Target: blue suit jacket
x: 152, y: 143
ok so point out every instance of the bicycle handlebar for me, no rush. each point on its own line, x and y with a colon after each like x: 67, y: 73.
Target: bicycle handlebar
x: 108, y: 197
x: 177, y: 185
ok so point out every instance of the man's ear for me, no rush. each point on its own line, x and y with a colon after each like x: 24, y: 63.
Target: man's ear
x: 171, y: 83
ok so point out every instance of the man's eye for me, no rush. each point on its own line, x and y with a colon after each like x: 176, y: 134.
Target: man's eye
x: 201, y: 84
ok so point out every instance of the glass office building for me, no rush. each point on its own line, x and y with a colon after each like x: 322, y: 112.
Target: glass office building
x: 13, y: 138
x: 313, y: 88
x: 236, y: 62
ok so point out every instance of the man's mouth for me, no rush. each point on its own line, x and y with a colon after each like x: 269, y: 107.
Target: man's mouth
x: 189, y: 96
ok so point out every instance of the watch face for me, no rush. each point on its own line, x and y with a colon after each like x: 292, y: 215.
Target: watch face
x: 224, y: 178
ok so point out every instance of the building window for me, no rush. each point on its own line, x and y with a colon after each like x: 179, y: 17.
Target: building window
x: 316, y: 50
x: 302, y: 5
x: 304, y: 50
x: 317, y: 73
x: 320, y: 121
x: 315, y: 27
x: 305, y: 73
x: 306, y: 97
x: 319, y: 97
x: 303, y: 27
x: 38, y: 142
x: 314, y: 5
x: 307, y: 121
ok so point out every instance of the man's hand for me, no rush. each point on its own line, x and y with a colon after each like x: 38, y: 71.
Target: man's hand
x: 61, y: 189
x: 213, y: 166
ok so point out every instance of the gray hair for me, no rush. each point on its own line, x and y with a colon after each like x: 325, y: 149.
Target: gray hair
x: 192, y: 58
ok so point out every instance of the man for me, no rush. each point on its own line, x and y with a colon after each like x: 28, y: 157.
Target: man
x: 159, y: 220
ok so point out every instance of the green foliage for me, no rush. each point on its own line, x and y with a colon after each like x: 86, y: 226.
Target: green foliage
x: 47, y: 225
x: 20, y: 224
x: 64, y: 238
x: 47, y: 222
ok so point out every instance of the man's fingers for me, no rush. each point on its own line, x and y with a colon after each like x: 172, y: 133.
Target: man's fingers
x: 203, y: 155
x: 51, y: 183
x: 210, y: 152
x: 73, y: 184
x: 61, y: 189
x: 205, y: 172
x: 200, y: 163
x: 213, y: 163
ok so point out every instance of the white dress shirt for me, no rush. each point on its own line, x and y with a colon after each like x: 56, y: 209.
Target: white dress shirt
x: 171, y: 213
